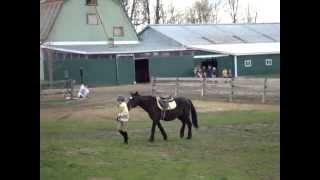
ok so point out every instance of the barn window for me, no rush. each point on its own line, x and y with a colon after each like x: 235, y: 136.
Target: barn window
x: 91, y: 2
x: 247, y: 63
x: 92, y: 19
x: 268, y: 62
x: 118, y: 31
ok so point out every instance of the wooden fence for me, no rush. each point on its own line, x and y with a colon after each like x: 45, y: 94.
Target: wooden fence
x: 227, y: 87
x: 57, y: 87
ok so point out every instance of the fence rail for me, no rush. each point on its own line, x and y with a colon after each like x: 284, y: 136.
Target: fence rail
x: 65, y: 87
x: 228, y: 87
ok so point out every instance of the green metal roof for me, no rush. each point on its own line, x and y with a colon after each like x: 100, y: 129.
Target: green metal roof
x: 207, y: 34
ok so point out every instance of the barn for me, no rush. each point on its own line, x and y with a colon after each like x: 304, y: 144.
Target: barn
x: 97, y: 36
x: 66, y: 25
x: 247, y: 49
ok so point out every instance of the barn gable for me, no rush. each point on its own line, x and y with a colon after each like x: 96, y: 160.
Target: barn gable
x: 49, y: 11
x: 68, y: 21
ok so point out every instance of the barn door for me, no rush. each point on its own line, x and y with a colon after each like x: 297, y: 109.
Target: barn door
x: 125, y: 69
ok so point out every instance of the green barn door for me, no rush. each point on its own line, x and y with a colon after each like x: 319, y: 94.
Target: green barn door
x: 125, y: 69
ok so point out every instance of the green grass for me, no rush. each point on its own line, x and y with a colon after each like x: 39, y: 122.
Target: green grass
x: 242, y: 145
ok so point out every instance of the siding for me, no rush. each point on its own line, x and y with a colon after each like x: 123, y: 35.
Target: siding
x: 177, y: 66
x: 258, y: 65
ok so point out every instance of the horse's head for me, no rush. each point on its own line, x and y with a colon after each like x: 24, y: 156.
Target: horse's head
x: 134, y: 100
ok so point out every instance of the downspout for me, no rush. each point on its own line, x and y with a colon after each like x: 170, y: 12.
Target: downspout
x: 117, y: 70
x: 41, y: 64
x: 235, y: 66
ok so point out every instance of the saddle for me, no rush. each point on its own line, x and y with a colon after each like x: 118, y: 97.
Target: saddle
x: 166, y: 103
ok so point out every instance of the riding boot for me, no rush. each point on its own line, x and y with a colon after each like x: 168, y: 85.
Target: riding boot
x: 125, y: 135
x: 122, y: 133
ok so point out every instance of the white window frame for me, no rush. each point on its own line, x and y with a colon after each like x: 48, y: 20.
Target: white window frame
x: 247, y: 63
x: 268, y: 62
x: 121, y: 28
x: 89, y: 3
x: 92, y: 14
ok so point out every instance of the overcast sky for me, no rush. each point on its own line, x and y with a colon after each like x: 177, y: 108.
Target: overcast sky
x: 268, y: 10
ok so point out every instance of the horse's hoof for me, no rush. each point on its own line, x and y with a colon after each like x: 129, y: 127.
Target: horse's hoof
x: 151, y: 140
x: 166, y: 139
x: 188, y: 137
x: 181, y: 136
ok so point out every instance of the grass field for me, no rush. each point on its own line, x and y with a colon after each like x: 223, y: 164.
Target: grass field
x: 231, y: 145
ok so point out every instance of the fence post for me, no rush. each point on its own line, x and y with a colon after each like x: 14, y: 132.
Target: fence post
x: 72, y: 88
x: 153, y: 85
x: 176, y: 92
x: 264, y: 90
x: 232, y: 90
x: 203, y: 89
x: 50, y: 67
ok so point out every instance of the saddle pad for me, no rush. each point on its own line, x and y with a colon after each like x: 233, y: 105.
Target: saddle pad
x: 172, y: 105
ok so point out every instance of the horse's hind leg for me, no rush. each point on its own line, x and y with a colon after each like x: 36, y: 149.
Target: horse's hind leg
x: 189, y: 124
x: 182, y: 127
x: 164, y: 134
x: 151, y: 139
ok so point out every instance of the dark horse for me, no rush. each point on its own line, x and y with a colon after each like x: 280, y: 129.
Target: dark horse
x: 182, y: 112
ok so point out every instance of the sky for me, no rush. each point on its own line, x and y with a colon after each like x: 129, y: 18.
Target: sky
x: 268, y: 10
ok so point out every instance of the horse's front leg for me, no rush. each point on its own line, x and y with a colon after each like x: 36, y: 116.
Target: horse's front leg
x: 151, y: 139
x: 164, y: 134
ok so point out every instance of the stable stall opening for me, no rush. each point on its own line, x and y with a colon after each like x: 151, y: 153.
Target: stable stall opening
x: 210, y: 62
x: 142, y: 70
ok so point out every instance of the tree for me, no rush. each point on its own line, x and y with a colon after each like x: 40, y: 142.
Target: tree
x: 251, y: 17
x: 157, y: 12
x: 146, y: 12
x: 125, y: 5
x: 233, y: 10
x: 203, y: 12
x: 137, y: 11
x: 172, y: 16
x: 190, y: 16
x: 216, y: 7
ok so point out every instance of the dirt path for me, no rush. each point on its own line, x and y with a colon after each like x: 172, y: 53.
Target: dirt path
x: 100, y: 105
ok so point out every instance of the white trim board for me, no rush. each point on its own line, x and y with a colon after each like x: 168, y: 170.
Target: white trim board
x: 70, y: 43
x: 209, y: 56
x: 106, y: 52
x: 241, y: 49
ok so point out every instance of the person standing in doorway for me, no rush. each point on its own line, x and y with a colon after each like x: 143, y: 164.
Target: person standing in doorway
x: 230, y: 73
x: 209, y: 72
x: 204, y: 72
x: 214, y: 75
x: 225, y: 73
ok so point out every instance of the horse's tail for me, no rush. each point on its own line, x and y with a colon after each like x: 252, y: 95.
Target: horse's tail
x: 194, y: 115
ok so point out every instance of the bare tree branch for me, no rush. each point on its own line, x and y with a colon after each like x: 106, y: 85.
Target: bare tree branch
x: 157, y: 12
x: 251, y: 17
x: 233, y: 10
